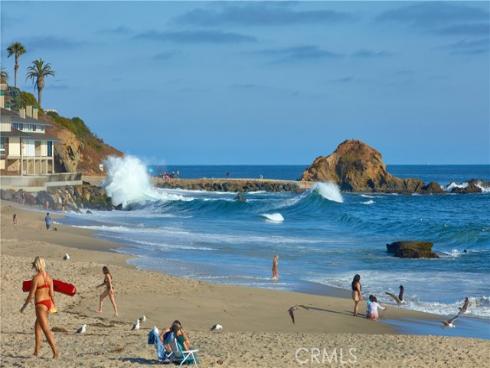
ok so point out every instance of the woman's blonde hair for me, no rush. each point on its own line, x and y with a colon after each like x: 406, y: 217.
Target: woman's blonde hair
x: 39, y: 264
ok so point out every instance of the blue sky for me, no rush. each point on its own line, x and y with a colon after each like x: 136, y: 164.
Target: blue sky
x: 266, y: 83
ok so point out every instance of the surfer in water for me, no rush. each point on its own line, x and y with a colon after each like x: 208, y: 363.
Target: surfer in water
x: 43, y: 293
x: 109, y: 290
x: 275, y: 268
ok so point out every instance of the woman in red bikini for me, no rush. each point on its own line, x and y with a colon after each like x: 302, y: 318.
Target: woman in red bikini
x: 43, y: 293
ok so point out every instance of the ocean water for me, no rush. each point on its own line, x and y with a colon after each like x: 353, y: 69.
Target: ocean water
x: 323, y: 237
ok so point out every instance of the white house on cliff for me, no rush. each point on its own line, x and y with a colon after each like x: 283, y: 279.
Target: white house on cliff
x: 25, y: 148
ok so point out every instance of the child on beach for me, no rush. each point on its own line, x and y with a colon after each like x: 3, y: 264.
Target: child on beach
x: 275, y: 268
x: 109, y: 290
x: 372, y: 308
x: 48, y: 221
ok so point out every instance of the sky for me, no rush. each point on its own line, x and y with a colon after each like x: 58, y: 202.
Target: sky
x: 265, y: 83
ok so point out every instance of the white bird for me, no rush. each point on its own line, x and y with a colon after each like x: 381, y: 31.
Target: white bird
x: 66, y: 257
x: 217, y: 328
x: 450, y: 322
x: 136, y: 325
x: 82, y: 329
x: 142, y: 318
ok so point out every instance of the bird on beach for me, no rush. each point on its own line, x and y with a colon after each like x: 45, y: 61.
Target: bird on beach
x: 136, y: 325
x: 142, y: 318
x: 294, y: 308
x: 217, y: 328
x: 464, y: 308
x: 82, y: 329
x: 398, y: 299
x: 66, y: 257
x: 450, y: 322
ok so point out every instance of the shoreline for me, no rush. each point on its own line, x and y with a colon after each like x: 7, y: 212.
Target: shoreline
x: 255, y: 320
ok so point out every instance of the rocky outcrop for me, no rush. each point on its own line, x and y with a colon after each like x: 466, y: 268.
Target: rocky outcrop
x: 473, y: 186
x: 357, y: 167
x: 70, y: 198
x: 411, y: 249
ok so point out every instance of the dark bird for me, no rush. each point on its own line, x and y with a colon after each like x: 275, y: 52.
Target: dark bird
x: 398, y: 299
x: 295, y: 307
x: 464, y: 308
x: 449, y: 322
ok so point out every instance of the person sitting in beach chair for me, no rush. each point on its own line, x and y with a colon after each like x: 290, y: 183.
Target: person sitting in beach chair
x: 181, y: 346
x: 173, y: 345
x: 164, y: 352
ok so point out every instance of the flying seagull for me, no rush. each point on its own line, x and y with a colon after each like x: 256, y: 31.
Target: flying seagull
x: 217, y: 328
x: 136, y: 325
x: 449, y: 322
x: 142, y: 318
x: 295, y: 307
x: 398, y: 299
x: 82, y: 329
x: 66, y: 257
x: 464, y: 308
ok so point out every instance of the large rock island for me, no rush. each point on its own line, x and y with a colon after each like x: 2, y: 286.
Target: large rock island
x: 356, y: 167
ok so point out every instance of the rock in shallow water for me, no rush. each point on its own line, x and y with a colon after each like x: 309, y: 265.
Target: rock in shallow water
x: 411, y: 249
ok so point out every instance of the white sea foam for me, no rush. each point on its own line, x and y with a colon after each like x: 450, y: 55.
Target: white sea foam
x: 176, y: 233
x: 128, y: 183
x: 419, y: 294
x: 330, y: 191
x: 273, y: 217
x: 453, y: 185
x: 367, y: 196
x: 368, y: 202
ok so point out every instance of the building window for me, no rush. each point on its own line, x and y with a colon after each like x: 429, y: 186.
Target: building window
x: 3, y: 144
x: 50, y: 148
x: 18, y: 126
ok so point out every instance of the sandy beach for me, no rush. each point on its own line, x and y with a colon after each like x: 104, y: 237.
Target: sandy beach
x: 257, y: 329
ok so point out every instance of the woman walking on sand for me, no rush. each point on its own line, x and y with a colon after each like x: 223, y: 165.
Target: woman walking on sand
x: 109, y: 290
x: 275, y: 268
x: 356, y: 292
x: 43, y: 293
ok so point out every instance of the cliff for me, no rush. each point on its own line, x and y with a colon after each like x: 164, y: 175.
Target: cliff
x: 357, y: 167
x: 77, y: 149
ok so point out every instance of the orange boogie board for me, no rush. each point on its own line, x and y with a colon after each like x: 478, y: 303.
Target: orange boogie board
x: 59, y: 286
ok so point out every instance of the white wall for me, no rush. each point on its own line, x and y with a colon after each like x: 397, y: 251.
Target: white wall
x: 14, y: 146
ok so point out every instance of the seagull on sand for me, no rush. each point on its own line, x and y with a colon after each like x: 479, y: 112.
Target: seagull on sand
x: 449, y: 322
x: 296, y: 307
x: 217, y: 328
x: 398, y: 299
x: 136, y: 325
x: 142, y: 318
x: 82, y: 329
x: 66, y: 257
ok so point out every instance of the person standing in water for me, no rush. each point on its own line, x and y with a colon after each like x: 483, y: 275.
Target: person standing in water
x: 356, y: 293
x: 43, y: 293
x: 109, y: 290
x: 275, y: 268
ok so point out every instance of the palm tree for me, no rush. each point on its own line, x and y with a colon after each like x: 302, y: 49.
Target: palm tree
x: 37, y: 72
x: 16, y: 49
x: 4, y: 76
